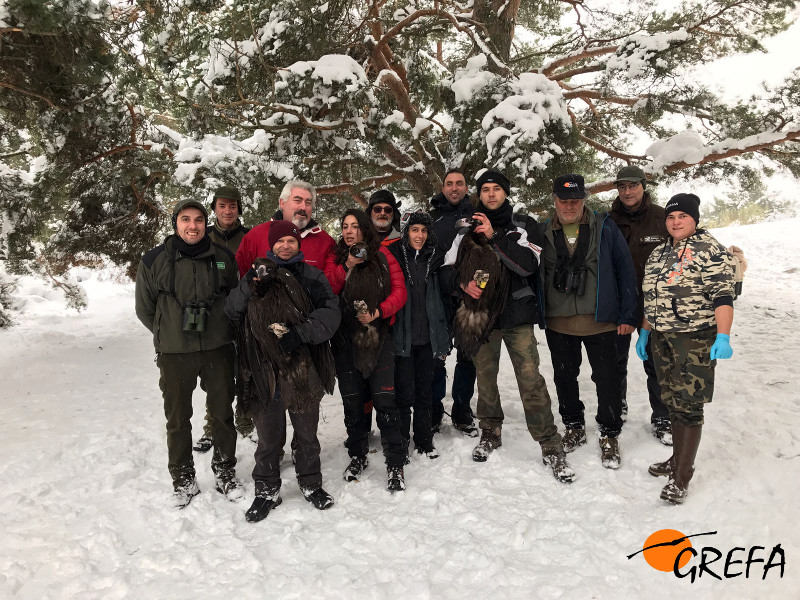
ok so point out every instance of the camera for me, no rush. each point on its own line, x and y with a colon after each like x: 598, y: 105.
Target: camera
x: 570, y: 282
x: 195, y: 316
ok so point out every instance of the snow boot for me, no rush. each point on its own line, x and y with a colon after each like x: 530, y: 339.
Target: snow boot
x: 355, y: 468
x: 687, y: 441
x: 573, y: 437
x: 395, y: 479
x: 662, y: 469
x: 468, y: 429
x: 184, y: 493
x: 662, y: 431
x: 490, y: 441
x: 204, y: 444
x: 609, y: 452
x: 262, y: 504
x: 318, y: 497
x: 431, y: 452
x: 557, y: 461
x: 229, y: 486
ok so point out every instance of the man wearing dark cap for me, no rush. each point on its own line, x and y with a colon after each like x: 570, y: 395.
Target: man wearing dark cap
x: 181, y: 287
x: 590, y: 291
x: 448, y: 207
x: 642, y: 225
x: 227, y: 231
x: 270, y: 413
x: 384, y: 210
x: 513, y: 240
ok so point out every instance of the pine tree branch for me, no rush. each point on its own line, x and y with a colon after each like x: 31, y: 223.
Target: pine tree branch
x: 551, y: 67
x: 49, y: 102
x: 601, y: 147
x: 354, y: 188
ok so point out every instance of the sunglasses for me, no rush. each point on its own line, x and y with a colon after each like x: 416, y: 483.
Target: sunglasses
x: 382, y: 209
x: 407, y: 215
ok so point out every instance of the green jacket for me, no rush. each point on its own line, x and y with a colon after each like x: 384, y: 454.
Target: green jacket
x: 230, y: 238
x: 161, y: 298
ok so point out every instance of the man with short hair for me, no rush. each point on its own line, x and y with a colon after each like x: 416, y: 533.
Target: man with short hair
x: 384, y: 210
x: 507, y: 236
x: 270, y: 413
x: 642, y: 225
x: 590, y: 293
x: 228, y: 231
x: 296, y: 204
x: 448, y: 207
x: 181, y: 287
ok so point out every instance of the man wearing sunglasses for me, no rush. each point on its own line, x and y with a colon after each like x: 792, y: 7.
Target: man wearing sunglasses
x: 642, y: 224
x: 384, y: 210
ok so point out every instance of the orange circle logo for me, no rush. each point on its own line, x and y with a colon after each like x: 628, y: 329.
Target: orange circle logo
x: 662, y: 547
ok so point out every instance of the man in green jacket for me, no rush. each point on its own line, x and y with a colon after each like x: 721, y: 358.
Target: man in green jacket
x: 181, y: 287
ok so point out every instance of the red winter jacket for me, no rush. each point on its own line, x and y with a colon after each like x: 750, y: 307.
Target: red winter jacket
x: 315, y: 245
x: 397, y: 296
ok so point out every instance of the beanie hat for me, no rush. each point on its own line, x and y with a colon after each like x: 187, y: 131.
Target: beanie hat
x: 569, y: 187
x: 279, y: 229
x: 631, y: 173
x: 688, y: 203
x: 229, y: 193
x: 385, y: 197
x: 188, y: 203
x: 418, y: 218
x: 494, y: 177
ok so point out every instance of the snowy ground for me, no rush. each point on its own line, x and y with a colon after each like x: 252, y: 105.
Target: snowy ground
x: 85, y: 510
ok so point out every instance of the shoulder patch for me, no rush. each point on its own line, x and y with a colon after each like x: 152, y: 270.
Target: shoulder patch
x: 150, y: 257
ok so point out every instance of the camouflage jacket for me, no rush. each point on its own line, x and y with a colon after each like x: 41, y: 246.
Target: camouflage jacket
x: 683, y: 284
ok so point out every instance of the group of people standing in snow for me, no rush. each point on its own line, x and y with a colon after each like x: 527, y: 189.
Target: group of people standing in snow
x: 380, y: 309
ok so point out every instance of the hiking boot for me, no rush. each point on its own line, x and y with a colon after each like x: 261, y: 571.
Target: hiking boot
x: 230, y: 487
x: 431, y: 453
x: 490, y: 440
x: 355, y: 468
x: 468, y: 429
x: 262, y: 504
x: 184, y: 493
x: 662, y: 431
x: 318, y: 497
x: 573, y: 437
x: 662, y: 469
x: 609, y: 452
x: 557, y: 461
x: 395, y: 480
x: 204, y: 444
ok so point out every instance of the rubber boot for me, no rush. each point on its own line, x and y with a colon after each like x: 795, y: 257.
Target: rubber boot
x: 684, y: 453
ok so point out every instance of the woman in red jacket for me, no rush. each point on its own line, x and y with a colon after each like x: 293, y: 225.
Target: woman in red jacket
x: 371, y: 289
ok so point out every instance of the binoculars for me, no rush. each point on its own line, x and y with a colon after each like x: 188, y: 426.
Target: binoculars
x: 195, y: 317
x: 570, y: 282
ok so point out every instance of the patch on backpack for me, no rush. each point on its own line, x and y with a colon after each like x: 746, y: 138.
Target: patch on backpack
x: 652, y: 239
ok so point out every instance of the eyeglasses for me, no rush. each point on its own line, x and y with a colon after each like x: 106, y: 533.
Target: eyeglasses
x: 382, y: 209
x: 622, y: 187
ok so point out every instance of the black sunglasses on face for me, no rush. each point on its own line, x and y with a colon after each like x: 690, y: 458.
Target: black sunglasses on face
x: 382, y: 209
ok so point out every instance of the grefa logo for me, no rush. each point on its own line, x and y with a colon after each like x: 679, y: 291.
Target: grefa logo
x: 670, y: 550
x: 570, y: 184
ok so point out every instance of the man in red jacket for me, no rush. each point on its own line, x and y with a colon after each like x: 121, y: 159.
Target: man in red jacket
x: 296, y: 204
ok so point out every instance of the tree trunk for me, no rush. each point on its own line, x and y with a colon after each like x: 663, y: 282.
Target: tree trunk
x: 499, y: 29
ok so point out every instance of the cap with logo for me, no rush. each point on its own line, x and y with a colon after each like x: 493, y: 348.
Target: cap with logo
x: 569, y: 187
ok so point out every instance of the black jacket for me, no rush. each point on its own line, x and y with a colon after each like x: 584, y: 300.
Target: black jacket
x: 444, y: 216
x: 323, y: 321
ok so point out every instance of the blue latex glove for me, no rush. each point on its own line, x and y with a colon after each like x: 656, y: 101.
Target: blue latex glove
x: 722, y: 347
x: 641, y: 343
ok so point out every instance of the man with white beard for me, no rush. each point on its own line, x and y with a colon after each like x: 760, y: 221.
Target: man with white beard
x: 384, y: 210
x: 296, y: 204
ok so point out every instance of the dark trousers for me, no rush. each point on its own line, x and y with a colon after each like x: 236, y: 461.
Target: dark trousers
x: 378, y: 388
x: 179, y: 373
x: 565, y: 352
x: 463, y: 390
x: 413, y: 377
x: 659, y: 412
x: 270, y: 424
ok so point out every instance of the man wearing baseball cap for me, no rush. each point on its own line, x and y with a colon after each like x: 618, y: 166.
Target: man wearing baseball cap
x: 641, y: 222
x: 590, y: 298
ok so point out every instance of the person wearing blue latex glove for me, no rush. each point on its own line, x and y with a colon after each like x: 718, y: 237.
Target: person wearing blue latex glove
x: 641, y: 343
x: 722, y: 347
x: 688, y: 292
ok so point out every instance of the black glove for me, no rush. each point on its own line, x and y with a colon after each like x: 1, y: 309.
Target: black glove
x: 250, y: 275
x: 290, y: 341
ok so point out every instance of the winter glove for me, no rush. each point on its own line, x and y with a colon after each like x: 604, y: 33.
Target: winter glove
x: 641, y: 343
x: 722, y: 347
x: 290, y: 341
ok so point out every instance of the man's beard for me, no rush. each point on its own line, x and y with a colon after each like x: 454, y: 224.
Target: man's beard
x: 382, y: 225
x: 300, y: 219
